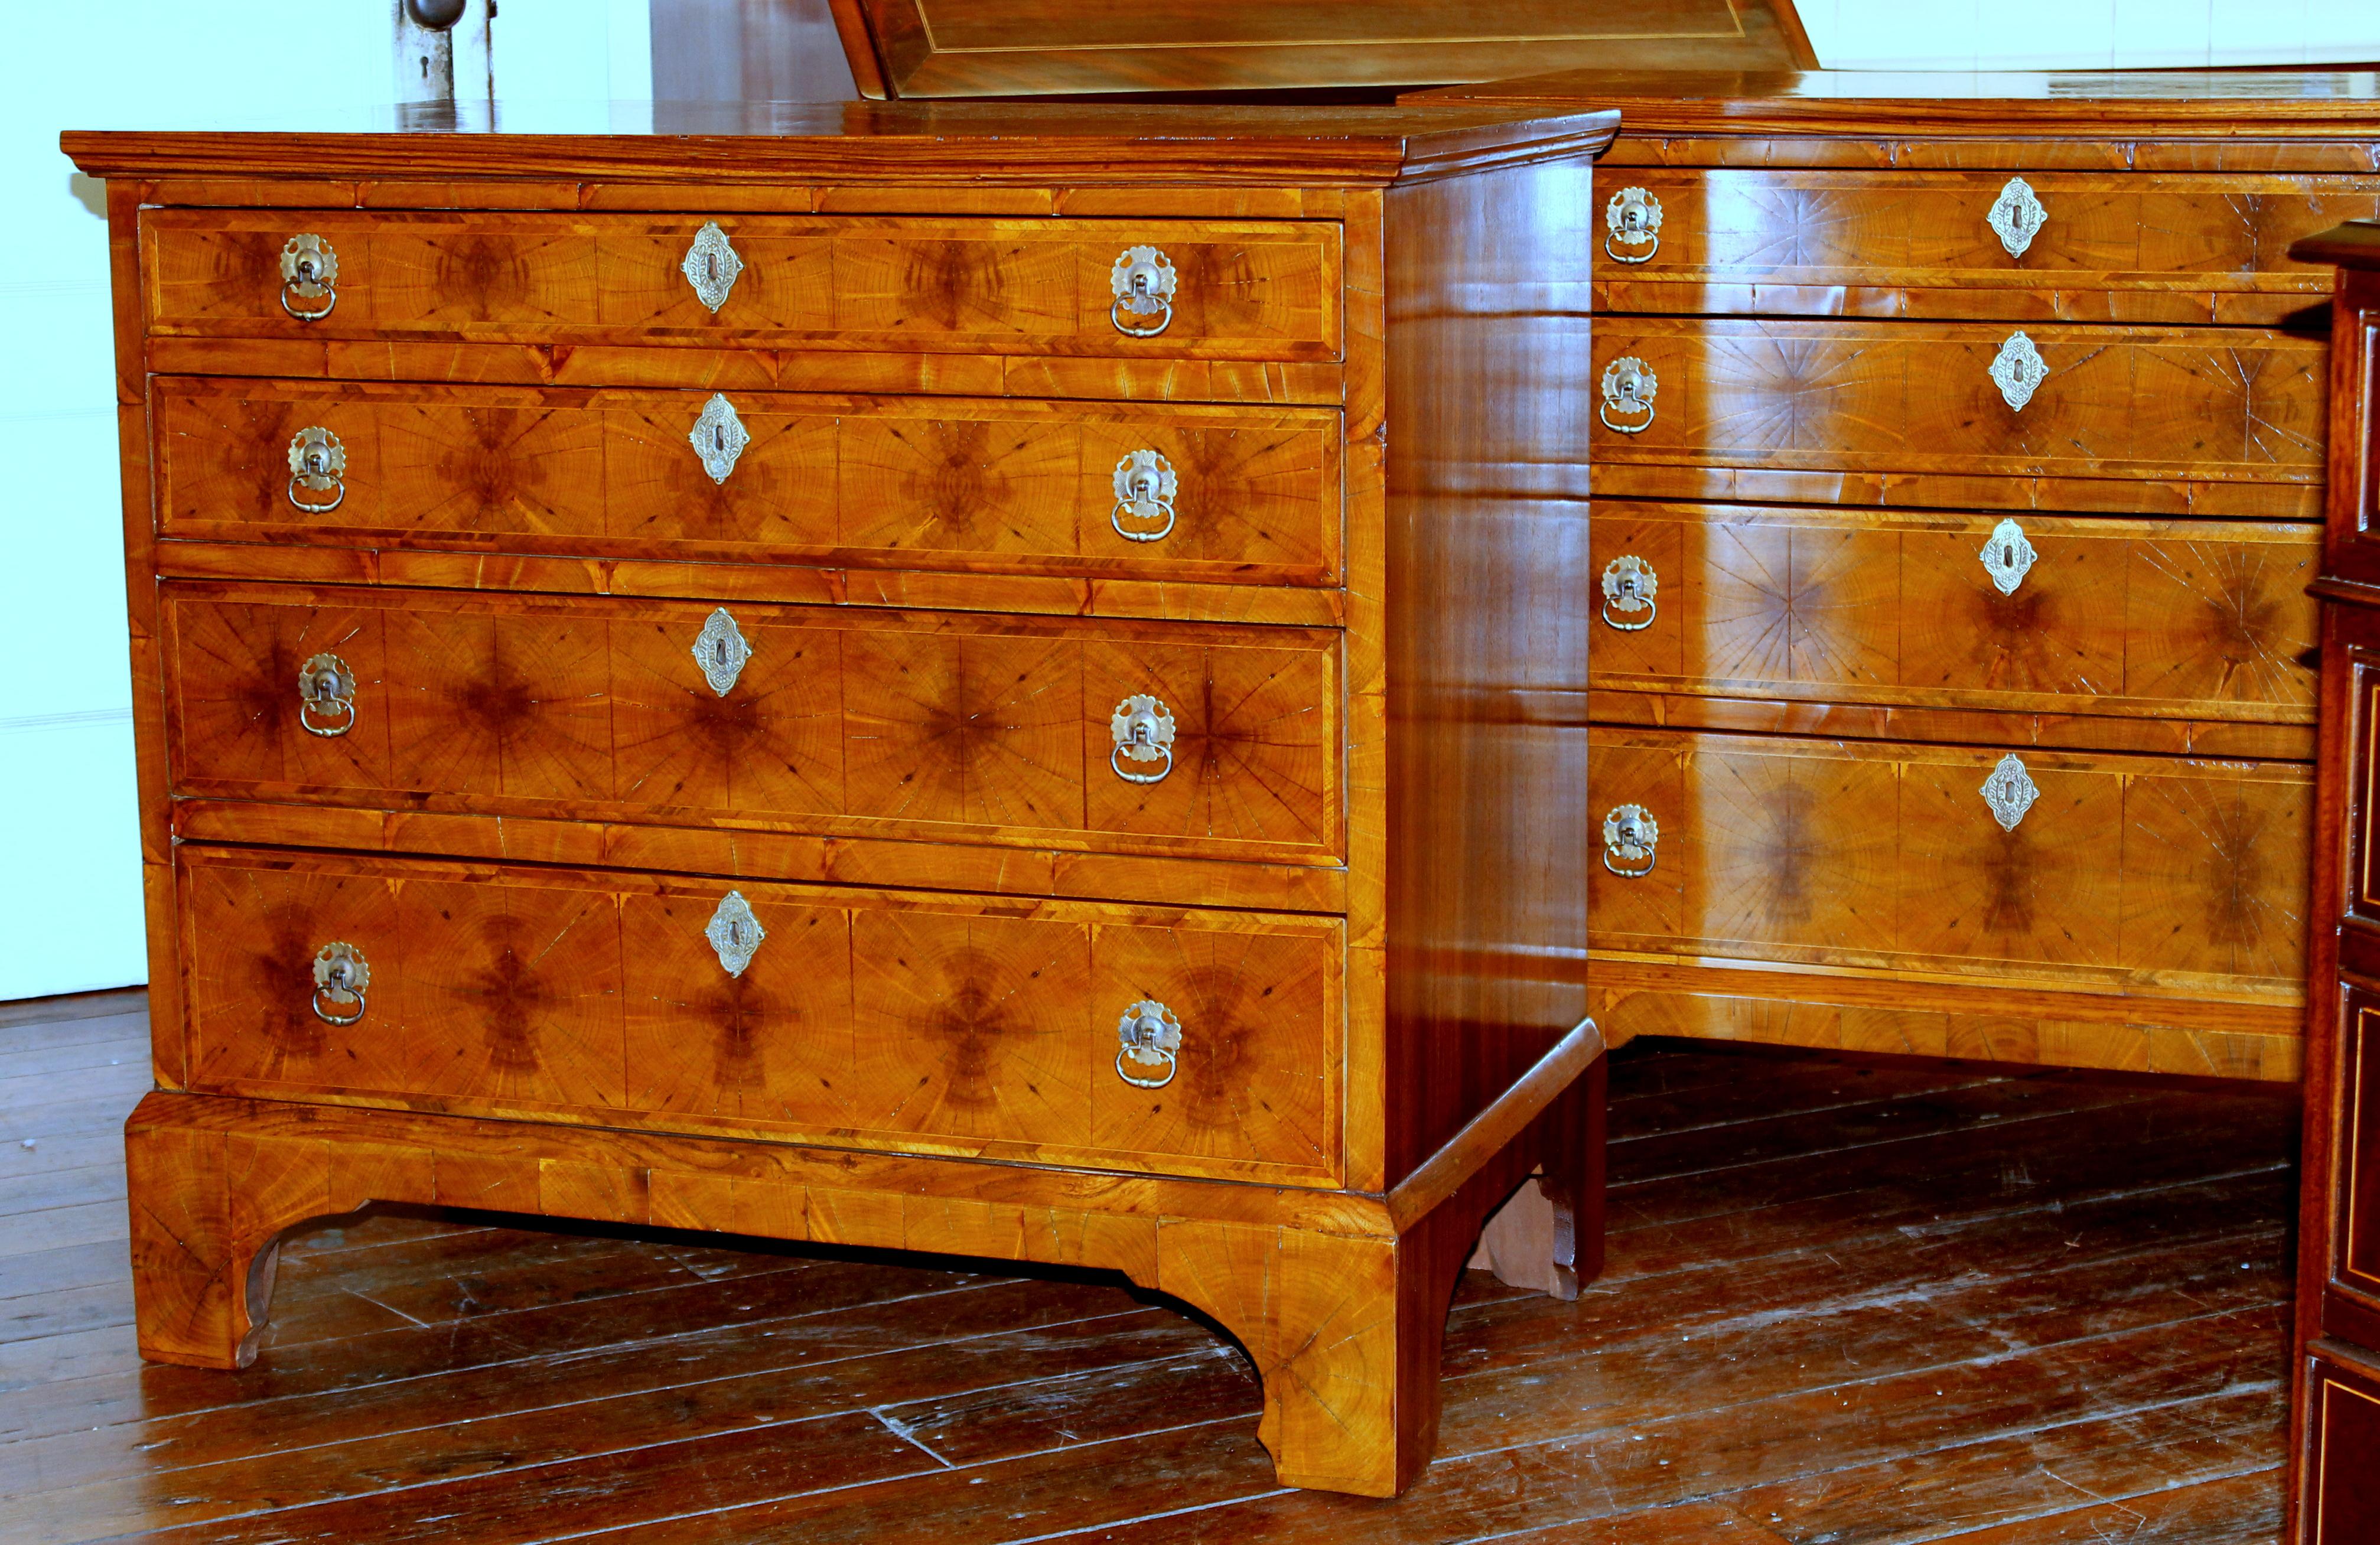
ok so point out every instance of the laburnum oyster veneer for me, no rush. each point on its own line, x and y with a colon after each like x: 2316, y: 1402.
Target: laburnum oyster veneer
x: 1958, y: 468
x: 987, y: 680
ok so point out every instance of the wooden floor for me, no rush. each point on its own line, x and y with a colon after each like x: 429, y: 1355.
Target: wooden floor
x: 1847, y: 1302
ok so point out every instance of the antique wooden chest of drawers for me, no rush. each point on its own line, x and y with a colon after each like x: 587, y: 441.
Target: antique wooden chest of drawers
x: 1958, y: 466
x: 986, y: 681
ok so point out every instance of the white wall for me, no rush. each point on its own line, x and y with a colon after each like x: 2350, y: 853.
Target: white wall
x: 2089, y: 34
x: 69, y: 864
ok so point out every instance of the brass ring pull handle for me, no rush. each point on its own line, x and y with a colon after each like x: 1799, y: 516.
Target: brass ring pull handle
x: 1151, y: 1033
x: 1143, y: 283
x: 1143, y: 730
x: 1629, y: 835
x: 326, y: 696
x: 1629, y: 385
x: 1629, y: 586
x: 711, y: 266
x: 310, y: 270
x: 1145, y: 489
x: 341, y: 978
x: 1632, y: 219
x: 318, y: 463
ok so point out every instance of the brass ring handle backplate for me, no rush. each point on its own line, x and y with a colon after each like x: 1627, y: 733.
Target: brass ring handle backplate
x: 1632, y: 218
x: 1145, y: 489
x: 310, y: 271
x: 1143, y: 732
x: 341, y: 979
x: 1629, y: 586
x: 1629, y: 834
x: 318, y: 463
x: 1150, y: 1032
x: 1142, y: 282
x: 1629, y: 386
x: 326, y: 696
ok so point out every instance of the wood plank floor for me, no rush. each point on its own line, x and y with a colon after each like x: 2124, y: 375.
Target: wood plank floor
x: 1851, y: 1303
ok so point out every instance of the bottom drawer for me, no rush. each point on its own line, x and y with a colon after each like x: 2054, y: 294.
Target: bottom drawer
x: 2151, y: 874
x: 895, y: 1021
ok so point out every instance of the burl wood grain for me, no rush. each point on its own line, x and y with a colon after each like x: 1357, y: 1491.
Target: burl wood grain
x: 1245, y: 289
x: 946, y: 1024
x: 918, y: 724
x: 2164, y: 619
x: 1878, y: 398
x: 2163, y: 878
x: 1918, y: 243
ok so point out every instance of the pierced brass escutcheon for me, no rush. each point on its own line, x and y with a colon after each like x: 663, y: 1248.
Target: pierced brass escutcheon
x: 1143, y: 732
x: 326, y: 696
x: 734, y: 933
x: 310, y: 270
x: 1151, y: 1034
x: 1145, y: 487
x: 722, y: 651
x: 318, y: 463
x: 717, y: 437
x: 341, y: 977
x: 2016, y: 216
x: 1629, y: 385
x: 2010, y: 792
x: 2008, y: 557
x: 710, y: 265
x: 1142, y: 282
x: 2018, y: 370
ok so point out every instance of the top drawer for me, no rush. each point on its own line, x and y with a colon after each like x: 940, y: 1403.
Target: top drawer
x: 1214, y: 288
x: 2105, y: 247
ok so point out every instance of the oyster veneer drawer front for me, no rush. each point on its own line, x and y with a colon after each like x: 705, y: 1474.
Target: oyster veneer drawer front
x: 2135, y: 873
x: 1262, y: 290
x: 2018, y: 613
x: 2042, y: 245
x: 930, y: 1023
x: 1218, y: 494
x: 1982, y: 400
x: 1157, y: 738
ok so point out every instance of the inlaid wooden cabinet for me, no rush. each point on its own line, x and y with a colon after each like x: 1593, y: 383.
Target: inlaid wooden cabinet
x: 1957, y: 462
x: 949, y: 680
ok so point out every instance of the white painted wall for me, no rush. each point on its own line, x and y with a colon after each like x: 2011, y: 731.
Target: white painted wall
x: 69, y: 864
x: 2089, y: 34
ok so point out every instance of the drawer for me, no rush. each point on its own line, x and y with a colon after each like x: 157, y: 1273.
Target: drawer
x: 1245, y: 289
x: 932, y: 725
x: 2109, y: 247
x: 2083, y: 404
x: 2018, y: 613
x: 882, y: 1020
x: 2106, y: 873
x: 1238, y: 495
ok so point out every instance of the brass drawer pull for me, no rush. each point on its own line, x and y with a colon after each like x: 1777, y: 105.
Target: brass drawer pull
x: 1629, y: 385
x: 2010, y: 792
x: 2008, y: 557
x: 1632, y: 219
x: 341, y: 977
x: 2018, y: 370
x: 1629, y: 586
x: 717, y: 437
x: 2016, y: 216
x: 326, y: 696
x: 318, y: 463
x: 722, y: 651
x: 1629, y: 835
x: 1143, y: 282
x: 1145, y: 487
x: 710, y: 265
x: 734, y: 933
x: 1151, y: 1034
x: 310, y: 270
x: 1143, y: 733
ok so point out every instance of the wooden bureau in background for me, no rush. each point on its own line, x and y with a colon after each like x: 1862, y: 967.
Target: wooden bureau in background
x: 986, y: 681
x: 1958, y: 474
